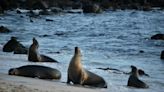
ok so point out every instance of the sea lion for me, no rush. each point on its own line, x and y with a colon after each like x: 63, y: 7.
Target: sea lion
x: 14, y: 45
x: 33, y: 54
x: 36, y: 71
x: 78, y: 75
x: 134, y: 80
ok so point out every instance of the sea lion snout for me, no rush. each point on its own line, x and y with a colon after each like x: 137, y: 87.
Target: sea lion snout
x: 13, y: 71
x: 78, y: 51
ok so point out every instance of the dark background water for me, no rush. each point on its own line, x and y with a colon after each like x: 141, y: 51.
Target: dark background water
x: 111, y: 39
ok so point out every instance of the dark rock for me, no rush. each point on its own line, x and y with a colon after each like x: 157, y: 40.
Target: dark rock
x: 1, y: 10
x: 49, y: 20
x: 14, y: 45
x: 158, y: 37
x: 4, y: 29
x: 36, y: 4
x: 162, y: 54
x: 56, y: 10
x: 91, y: 8
x: 18, y: 11
x: 21, y: 16
x: 141, y: 51
x: 45, y: 12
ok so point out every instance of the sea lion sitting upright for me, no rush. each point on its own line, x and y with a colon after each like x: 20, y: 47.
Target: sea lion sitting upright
x: 78, y: 75
x: 134, y: 80
x: 41, y: 72
x: 33, y: 54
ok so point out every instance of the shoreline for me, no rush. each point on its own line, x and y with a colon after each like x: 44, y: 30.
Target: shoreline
x: 23, y: 84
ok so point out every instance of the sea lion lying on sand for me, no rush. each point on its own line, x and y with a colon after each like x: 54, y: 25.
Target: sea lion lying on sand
x: 78, y: 75
x: 36, y: 71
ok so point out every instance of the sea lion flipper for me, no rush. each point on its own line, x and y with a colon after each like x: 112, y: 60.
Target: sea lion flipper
x: 68, y: 79
x: 47, y: 59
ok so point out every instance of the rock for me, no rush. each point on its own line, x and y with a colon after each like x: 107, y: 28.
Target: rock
x: 162, y: 54
x: 18, y: 11
x: 4, y: 29
x: 49, y: 20
x: 1, y: 10
x: 91, y: 8
x: 36, y: 4
x: 56, y: 10
x: 14, y: 45
x: 45, y: 12
x: 158, y: 37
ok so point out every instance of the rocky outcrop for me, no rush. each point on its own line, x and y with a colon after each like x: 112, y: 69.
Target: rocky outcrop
x: 91, y: 8
x: 158, y: 37
x: 14, y: 46
x: 4, y: 29
x: 162, y: 54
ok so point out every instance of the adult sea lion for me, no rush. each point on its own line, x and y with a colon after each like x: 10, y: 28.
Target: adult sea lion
x: 33, y: 54
x: 36, y: 71
x: 78, y: 75
x: 134, y: 80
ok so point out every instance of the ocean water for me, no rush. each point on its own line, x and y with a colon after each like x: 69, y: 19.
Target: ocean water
x: 111, y: 39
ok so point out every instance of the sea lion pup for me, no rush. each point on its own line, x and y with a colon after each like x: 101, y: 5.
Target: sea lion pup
x: 36, y: 71
x: 78, y: 75
x: 134, y: 80
x: 33, y: 54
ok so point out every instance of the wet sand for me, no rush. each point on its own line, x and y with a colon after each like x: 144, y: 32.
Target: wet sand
x: 23, y: 84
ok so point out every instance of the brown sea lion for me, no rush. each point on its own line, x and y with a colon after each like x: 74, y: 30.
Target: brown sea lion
x: 78, y: 75
x: 134, y: 80
x: 36, y: 71
x: 33, y: 54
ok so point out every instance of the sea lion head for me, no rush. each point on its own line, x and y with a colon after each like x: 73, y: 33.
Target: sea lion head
x: 134, y: 71
x: 13, y: 38
x: 13, y: 71
x: 34, y: 40
x: 77, y: 51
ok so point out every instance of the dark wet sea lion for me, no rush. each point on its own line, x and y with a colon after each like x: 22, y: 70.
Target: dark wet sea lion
x: 134, y: 81
x: 33, y: 54
x: 36, y: 71
x: 14, y: 45
x: 78, y: 75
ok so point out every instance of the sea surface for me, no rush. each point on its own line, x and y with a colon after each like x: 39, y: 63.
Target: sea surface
x: 115, y: 39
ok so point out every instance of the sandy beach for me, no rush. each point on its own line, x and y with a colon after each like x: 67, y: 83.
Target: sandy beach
x: 22, y: 84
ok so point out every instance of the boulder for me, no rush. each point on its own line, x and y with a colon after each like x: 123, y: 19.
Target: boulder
x: 162, y: 54
x: 91, y: 8
x: 4, y: 29
x: 14, y: 45
x: 158, y: 37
